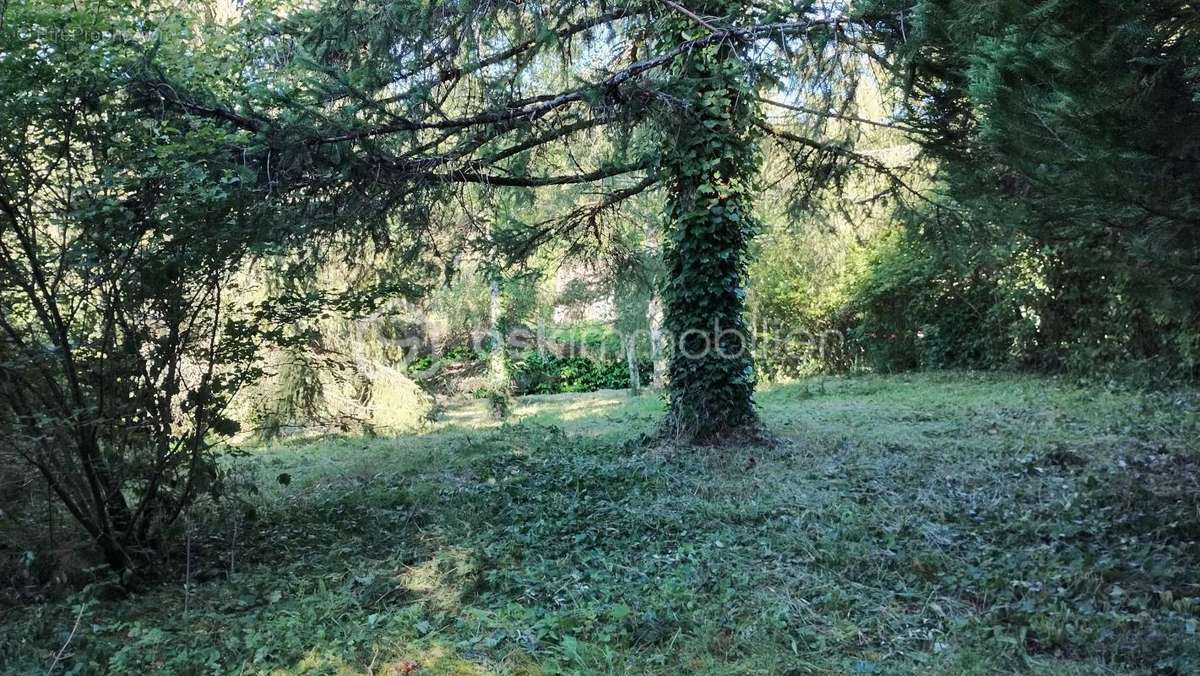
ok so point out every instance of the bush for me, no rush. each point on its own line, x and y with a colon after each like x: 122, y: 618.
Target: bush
x: 919, y: 304
x: 120, y: 240
x: 541, y: 373
x: 909, y: 307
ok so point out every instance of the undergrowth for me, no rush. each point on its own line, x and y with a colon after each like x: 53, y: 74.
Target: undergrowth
x: 948, y: 524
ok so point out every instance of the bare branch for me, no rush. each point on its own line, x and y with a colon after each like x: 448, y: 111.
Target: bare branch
x: 828, y: 114
x: 535, y: 181
x: 689, y: 14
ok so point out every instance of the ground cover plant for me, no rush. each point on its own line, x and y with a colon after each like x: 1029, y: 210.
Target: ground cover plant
x: 952, y: 523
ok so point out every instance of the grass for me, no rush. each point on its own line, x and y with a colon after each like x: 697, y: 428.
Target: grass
x: 949, y: 523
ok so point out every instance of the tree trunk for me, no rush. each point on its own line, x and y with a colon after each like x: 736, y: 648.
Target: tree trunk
x: 497, y: 365
x: 635, y: 379
x: 655, y: 317
x: 711, y: 162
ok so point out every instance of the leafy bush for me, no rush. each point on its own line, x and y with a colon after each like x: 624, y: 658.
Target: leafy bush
x: 915, y: 303
x: 541, y: 373
x: 909, y: 307
x: 462, y: 354
x: 120, y: 238
x: 591, y: 337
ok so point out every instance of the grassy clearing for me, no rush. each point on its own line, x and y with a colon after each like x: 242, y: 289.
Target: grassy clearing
x: 941, y: 523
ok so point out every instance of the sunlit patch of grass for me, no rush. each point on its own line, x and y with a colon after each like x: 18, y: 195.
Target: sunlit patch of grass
x: 442, y: 580
x: 607, y: 414
x: 569, y: 408
x: 431, y: 658
x: 467, y: 413
x: 315, y: 661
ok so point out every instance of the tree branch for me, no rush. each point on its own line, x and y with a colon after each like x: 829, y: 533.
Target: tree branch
x: 534, y: 111
x: 856, y: 157
x: 535, y: 181
x: 827, y: 114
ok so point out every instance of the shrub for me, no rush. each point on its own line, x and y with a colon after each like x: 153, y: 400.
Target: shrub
x: 120, y: 237
x: 910, y: 307
x: 541, y: 373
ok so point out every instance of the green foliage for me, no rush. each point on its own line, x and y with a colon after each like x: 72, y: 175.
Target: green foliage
x: 711, y: 160
x: 797, y: 303
x: 1057, y: 232
x: 539, y: 372
x: 979, y: 525
x: 121, y: 231
x: 908, y: 307
x: 341, y: 364
x: 462, y: 353
x: 1070, y: 129
x: 588, y: 338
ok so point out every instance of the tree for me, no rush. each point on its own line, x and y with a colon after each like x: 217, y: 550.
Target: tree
x: 710, y: 164
x: 392, y: 107
x: 119, y: 236
x: 1067, y: 135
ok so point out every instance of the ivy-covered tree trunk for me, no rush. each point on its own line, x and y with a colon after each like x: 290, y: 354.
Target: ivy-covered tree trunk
x: 711, y: 164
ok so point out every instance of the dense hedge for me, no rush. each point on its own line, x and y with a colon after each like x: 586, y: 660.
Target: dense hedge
x: 914, y: 306
x: 908, y: 303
